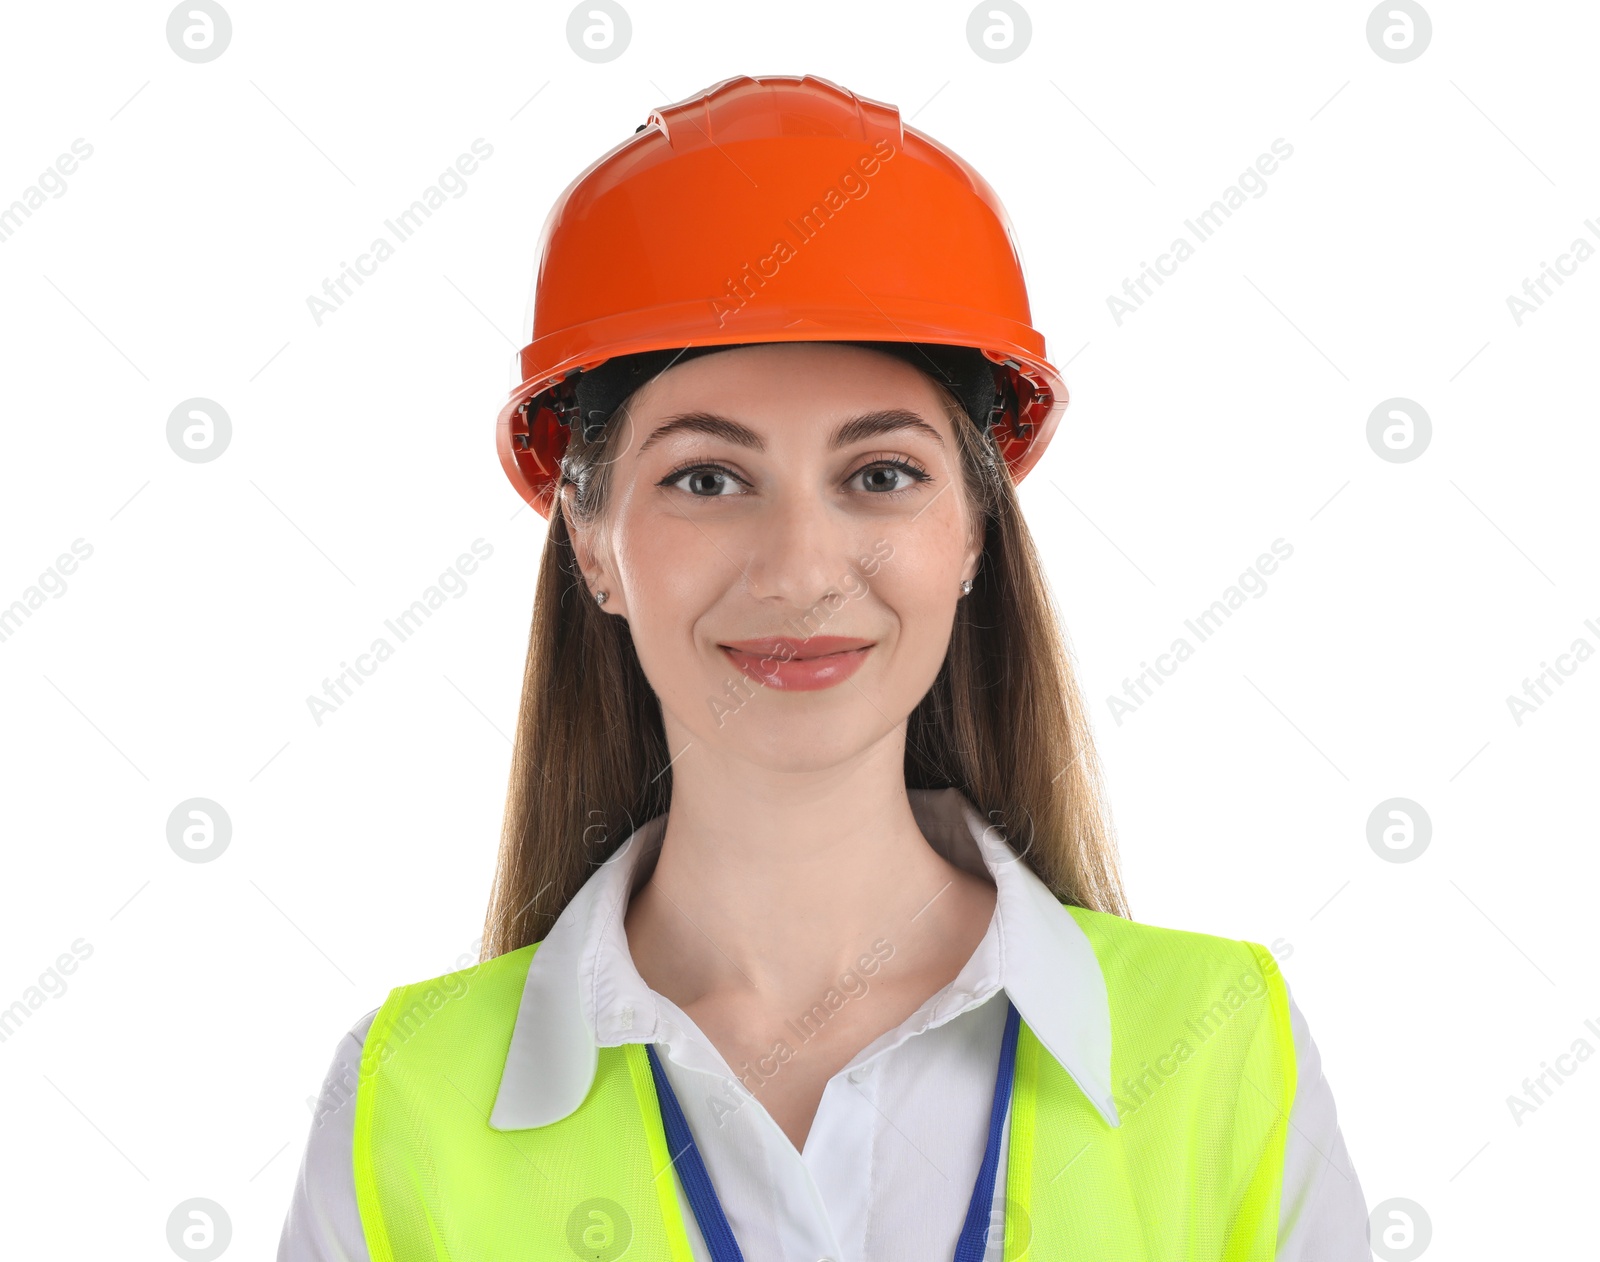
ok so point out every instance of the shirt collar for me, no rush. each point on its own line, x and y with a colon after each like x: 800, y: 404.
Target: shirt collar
x: 584, y: 992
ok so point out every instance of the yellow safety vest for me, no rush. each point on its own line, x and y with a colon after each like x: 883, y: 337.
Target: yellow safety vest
x: 1203, y: 1069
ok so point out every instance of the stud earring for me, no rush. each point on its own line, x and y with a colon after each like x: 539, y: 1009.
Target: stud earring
x: 600, y: 597
x: 966, y: 586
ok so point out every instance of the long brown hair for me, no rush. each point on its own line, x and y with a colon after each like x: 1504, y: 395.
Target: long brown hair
x: 1003, y: 722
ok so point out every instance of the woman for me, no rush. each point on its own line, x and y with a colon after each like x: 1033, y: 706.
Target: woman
x: 807, y: 939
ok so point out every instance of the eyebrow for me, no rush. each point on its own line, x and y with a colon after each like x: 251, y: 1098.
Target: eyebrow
x: 867, y: 425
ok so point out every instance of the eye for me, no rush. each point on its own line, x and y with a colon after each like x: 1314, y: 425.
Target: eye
x: 885, y: 478
x: 891, y: 477
x: 707, y: 481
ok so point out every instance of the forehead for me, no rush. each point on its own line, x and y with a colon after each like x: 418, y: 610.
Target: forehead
x: 790, y: 380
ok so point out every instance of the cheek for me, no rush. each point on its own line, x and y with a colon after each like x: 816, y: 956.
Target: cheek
x: 670, y: 585
x: 655, y: 580
x: 919, y: 584
x: 921, y: 560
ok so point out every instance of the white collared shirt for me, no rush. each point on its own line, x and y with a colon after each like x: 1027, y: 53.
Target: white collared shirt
x: 889, y: 1163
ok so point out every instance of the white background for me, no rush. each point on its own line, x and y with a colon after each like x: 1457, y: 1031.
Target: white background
x: 1231, y: 410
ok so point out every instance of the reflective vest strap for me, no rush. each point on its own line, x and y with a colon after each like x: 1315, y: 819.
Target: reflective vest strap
x: 644, y: 1087
x: 370, y: 1207
x: 1254, y: 1232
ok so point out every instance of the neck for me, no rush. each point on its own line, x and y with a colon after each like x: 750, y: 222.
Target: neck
x: 772, y: 886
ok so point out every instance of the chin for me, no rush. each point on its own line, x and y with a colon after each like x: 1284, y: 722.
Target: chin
x: 807, y: 731
x: 784, y: 748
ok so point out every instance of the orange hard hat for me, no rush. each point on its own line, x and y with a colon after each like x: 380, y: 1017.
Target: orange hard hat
x: 774, y: 209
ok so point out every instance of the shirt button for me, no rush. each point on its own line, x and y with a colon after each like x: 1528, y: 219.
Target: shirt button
x: 856, y: 1075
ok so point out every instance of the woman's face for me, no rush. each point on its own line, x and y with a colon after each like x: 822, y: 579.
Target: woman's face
x: 786, y: 534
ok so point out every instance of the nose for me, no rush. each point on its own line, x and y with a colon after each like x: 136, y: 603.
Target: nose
x: 797, y: 550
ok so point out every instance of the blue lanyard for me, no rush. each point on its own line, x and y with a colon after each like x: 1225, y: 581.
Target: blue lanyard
x: 970, y: 1245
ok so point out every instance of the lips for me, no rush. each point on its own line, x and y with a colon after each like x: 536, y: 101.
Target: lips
x: 792, y: 665
x: 787, y: 649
